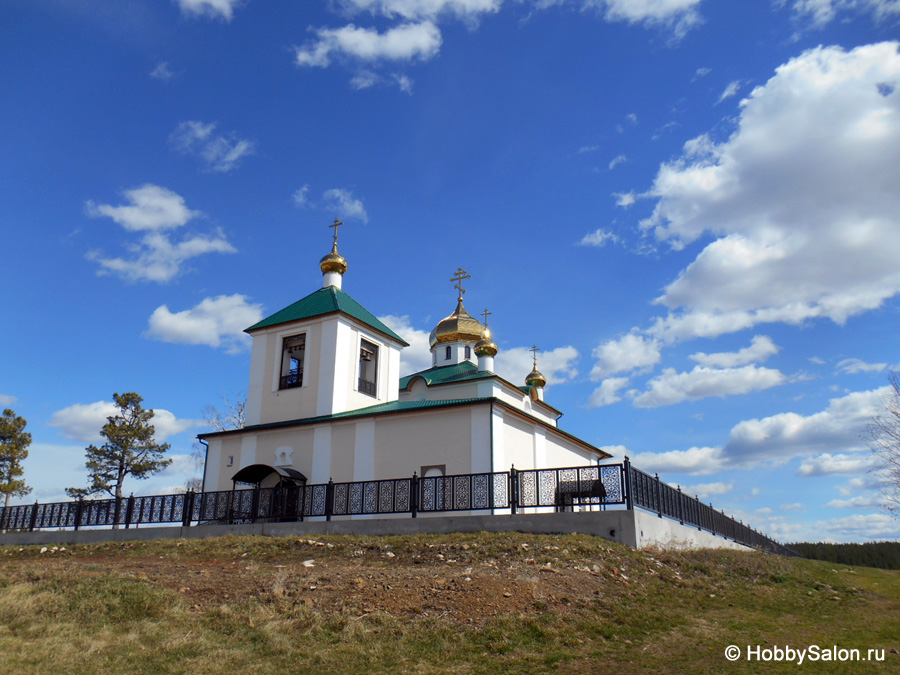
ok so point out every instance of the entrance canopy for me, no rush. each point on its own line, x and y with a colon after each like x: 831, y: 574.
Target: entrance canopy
x: 264, y: 475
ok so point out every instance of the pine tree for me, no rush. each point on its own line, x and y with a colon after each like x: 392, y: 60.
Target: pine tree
x: 14, y: 442
x: 129, y: 450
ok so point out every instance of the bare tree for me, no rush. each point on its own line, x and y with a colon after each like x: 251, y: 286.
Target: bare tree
x: 884, y: 440
x: 232, y: 417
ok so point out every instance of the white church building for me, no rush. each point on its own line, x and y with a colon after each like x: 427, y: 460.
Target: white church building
x: 326, y: 400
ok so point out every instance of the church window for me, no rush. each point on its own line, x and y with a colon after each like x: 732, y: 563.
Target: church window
x: 230, y: 460
x: 468, y: 352
x: 292, y: 352
x: 447, y: 357
x: 368, y: 367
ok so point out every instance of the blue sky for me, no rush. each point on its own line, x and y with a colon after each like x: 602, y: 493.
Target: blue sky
x: 691, y: 206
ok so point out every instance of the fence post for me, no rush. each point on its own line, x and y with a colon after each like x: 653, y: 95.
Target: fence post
x: 699, y: 512
x: 626, y: 468
x: 414, y: 495
x: 129, y: 510
x: 254, y: 504
x: 658, y: 496
x: 4, y: 518
x: 680, y: 506
x: 301, y: 507
x: 513, y: 490
x: 33, y: 521
x: 78, y: 507
x: 329, y: 499
x: 188, y: 512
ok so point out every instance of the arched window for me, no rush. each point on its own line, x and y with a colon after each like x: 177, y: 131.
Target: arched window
x: 468, y: 352
x: 447, y: 358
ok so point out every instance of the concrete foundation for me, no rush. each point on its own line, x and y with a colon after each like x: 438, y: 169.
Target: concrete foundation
x: 633, y: 528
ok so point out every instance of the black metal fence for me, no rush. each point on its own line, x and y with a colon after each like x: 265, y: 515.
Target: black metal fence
x: 567, y: 489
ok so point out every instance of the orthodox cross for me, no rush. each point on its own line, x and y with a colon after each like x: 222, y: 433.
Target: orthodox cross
x: 535, y: 349
x: 485, y: 314
x: 458, y: 278
x: 337, y: 223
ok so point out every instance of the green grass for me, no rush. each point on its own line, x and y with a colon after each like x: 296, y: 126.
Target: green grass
x: 598, y: 607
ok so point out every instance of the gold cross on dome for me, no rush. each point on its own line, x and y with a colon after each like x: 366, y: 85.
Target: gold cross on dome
x: 458, y: 278
x: 337, y: 223
x: 486, y: 314
x: 535, y: 349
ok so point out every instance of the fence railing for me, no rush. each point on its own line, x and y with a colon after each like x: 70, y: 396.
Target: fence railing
x: 566, y: 489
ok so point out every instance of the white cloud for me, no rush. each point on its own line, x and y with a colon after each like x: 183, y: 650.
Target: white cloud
x: 706, y: 490
x: 216, y: 322
x: 799, y: 234
x: 677, y: 15
x: 695, y: 461
x: 344, y: 204
x: 871, y: 501
x: 673, y: 387
x: 608, y: 392
x: 598, y: 238
x: 402, y: 43
x: 619, y: 159
x: 630, y: 352
x: 760, y: 349
x: 702, y: 72
x: 155, y: 257
x: 796, y: 506
x: 301, y: 197
x: 822, y: 12
x: 218, y: 153
x: 731, y: 90
x: 557, y: 365
x: 367, y: 79
x: 152, y: 208
x: 624, y: 199
x: 417, y: 356
x: 423, y: 9
x: 873, y: 526
x: 83, y: 422
x: 162, y: 71
x: 856, y: 366
x: 588, y: 148
x: 835, y: 465
x: 6, y: 399
x: 223, y: 9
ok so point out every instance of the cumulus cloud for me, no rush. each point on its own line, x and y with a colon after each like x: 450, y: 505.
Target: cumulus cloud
x: 417, y: 356
x: 798, y: 233
x: 215, y: 322
x: 83, y: 422
x: 625, y: 354
x: 6, y: 399
x: 557, y: 365
x: 873, y: 526
x: 599, y: 238
x: 673, y: 387
x: 608, y: 392
x: 822, y: 12
x: 343, y: 203
x: 856, y: 366
x: 677, y: 15
x: 218, y: 152
x: 406, y: 42
x: 152, y: 208
x: 780, y: 438
x: 619, y: 159
x: 731, y: 90
x: 218, y: 9
x: 706, y: 490
x: 624, y: 199
x: 155, y: 257
x: 761, y: 348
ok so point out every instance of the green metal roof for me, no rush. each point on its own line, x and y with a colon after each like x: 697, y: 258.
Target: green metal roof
x: 328, y: 300
x: 459, y: 372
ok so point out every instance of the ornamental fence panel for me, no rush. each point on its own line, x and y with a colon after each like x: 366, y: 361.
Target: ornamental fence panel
x: 563, y: 489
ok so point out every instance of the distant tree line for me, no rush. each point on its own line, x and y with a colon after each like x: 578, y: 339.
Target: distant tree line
x: 882, y: 554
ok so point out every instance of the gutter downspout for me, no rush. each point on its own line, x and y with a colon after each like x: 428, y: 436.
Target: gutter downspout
x: 205, y: 444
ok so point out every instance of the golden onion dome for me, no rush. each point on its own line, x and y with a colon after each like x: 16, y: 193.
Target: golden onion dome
x: 486, y: 345
x: 333, y: 262
x: 458, y: 327
x: 536, y: 379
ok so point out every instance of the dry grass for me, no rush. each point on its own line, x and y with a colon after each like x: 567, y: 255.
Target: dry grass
x: 509, y: 603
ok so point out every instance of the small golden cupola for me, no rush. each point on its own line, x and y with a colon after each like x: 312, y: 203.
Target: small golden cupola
x: 333, y: 265
x: 453, y: 339
x: 535, y: 379
x: 486, y: 348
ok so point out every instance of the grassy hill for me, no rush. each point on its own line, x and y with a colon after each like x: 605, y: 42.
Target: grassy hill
x: 485, y: 603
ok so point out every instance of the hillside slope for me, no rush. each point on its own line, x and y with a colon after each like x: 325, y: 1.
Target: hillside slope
x: 509, y: 603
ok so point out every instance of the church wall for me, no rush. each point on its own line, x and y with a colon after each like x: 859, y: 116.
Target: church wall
x: 223, y: 464
x: 518, y: 443
x: 288, y: 404
x: 561, y: 452
x: 300, y: 442
x: 343, y: 451
x: 406, y: 443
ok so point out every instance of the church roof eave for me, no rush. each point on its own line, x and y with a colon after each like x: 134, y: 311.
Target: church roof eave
x: 325, y: 301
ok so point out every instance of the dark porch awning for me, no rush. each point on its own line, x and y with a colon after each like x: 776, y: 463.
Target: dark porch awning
x: 255, y: 473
